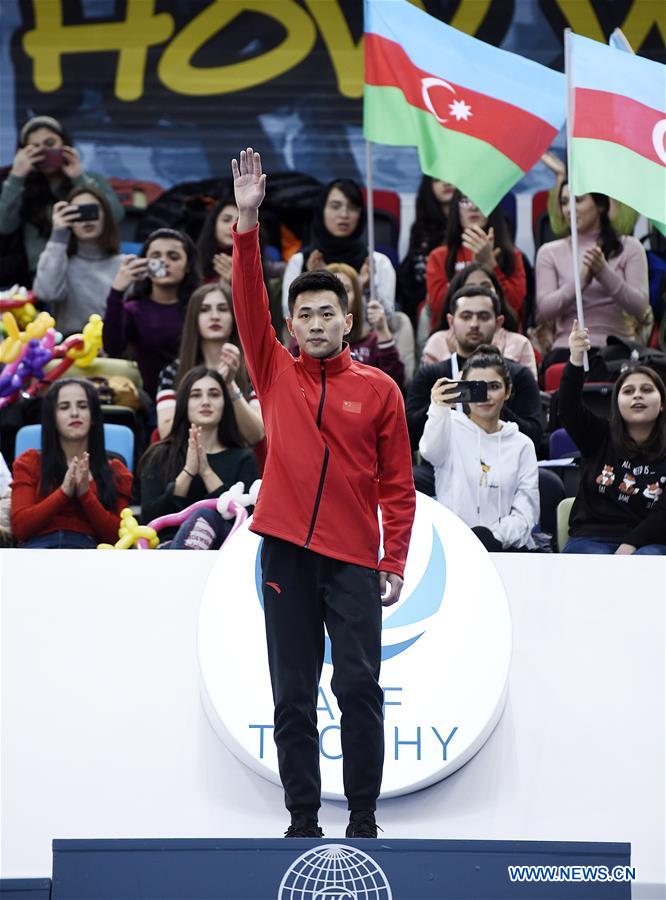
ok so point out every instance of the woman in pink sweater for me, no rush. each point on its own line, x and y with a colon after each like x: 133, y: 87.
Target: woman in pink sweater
x: 613, y: 274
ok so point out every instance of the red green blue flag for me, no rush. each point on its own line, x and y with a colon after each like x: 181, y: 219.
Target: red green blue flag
x: 480, y: 117
x: 618, y: 133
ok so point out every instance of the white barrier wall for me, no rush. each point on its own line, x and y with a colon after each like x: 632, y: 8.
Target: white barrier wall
x: 104, y: 735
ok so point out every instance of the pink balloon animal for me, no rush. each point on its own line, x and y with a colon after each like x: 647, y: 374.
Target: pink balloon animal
x: 230, y: 504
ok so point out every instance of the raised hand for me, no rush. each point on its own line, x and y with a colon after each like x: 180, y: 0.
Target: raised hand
x: 64, y: 215
x: 315, y: 261
x: 229, y: 362
x: 445, y: 392
x: 554, y: 163
x: 222, y: 267
x: 192, y: 456
x: 249, y: 188
x: 26, y: 160
x: 579, y: 343
x: 202, y: 456
x: 480, y: 244
x: 131, y: 269
x: 83, y: 475
x: 69, y: 481
x: 594, y: 259
x: 71, y: 162
x: 377, y: 320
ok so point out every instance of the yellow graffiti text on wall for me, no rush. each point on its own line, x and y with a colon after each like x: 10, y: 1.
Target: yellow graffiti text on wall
x: 142, y: 28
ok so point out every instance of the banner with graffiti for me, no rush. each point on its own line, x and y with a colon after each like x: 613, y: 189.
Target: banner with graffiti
x: 168, y: 90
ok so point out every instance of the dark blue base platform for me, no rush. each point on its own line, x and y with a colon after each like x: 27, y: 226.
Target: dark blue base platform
x: 328, y: 869
x: 25, y: 888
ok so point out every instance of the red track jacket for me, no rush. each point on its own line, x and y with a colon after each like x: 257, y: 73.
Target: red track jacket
x: 337, y: 439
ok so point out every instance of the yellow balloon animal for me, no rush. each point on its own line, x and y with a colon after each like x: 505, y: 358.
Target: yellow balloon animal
x: 130, y: 532
x: 25, y: 314
x: 12, y: 345
x: 92, y: 343
x: 20, y: 302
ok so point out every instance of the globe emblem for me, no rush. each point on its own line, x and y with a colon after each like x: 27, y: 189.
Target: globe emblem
x: 334, y: 872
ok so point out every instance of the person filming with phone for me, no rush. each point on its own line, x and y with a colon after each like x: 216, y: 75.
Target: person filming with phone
x: 485, y: 469
x: 80, y: 260
x: 158, y: 283
x: 45, y: 169
x: 474, y: 318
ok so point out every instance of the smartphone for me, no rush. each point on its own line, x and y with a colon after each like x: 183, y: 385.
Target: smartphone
x: 470, y: 391
x: 157, y: 267
x: 88, y: 212
x: 52, y: 159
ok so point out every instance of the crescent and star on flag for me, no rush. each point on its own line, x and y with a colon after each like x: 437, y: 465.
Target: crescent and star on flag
x: 458, y: 109
x: 462, y: 111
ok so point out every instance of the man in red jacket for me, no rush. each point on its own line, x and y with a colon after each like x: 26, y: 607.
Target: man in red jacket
x: 337, y: 449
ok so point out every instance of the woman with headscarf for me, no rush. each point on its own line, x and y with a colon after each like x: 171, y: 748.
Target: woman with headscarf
x: 338, y: 236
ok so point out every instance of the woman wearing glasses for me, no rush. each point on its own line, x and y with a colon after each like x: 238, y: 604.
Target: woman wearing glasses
x: 474, y: 237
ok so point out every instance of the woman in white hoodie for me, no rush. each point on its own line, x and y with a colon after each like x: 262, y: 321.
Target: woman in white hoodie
x: 485, y: 469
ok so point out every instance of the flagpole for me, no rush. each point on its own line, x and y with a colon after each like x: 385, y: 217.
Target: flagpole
x: 572, y: 197
x: 370, y: 207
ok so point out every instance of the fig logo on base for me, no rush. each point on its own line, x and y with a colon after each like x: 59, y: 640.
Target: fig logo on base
x: 446, y: 652
x: 334, y: 872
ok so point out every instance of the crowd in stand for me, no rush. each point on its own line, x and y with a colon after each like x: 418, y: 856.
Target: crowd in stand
x: 464, y: 305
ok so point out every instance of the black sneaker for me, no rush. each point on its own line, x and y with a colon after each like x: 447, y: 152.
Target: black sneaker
x: 302, y: 827
x: 362, y: 824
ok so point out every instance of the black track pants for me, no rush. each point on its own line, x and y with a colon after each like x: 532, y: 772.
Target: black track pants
x: 303, y: 590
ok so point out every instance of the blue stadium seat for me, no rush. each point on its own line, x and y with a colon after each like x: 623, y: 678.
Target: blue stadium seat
x: 117, y: 438
x: 560, y: 445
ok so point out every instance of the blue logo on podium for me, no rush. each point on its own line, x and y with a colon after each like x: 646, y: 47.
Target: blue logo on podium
x: 334, y: 872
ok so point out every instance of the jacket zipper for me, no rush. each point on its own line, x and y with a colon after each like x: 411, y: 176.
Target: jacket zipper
x: 324, y: 465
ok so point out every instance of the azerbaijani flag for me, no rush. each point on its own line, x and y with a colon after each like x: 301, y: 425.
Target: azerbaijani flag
x: 619, y: 126
x: 481, y: 117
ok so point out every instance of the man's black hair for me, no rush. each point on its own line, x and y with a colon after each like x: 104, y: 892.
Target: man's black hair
x: 476, y: 290
x: 320, y: 280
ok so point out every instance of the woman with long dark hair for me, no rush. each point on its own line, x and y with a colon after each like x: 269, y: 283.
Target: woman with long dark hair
x: 45, y: 169
x: 475, y: 237
x: 201, y: 458
x: 428, y: 231
x: 338, y: 236
x: 442, y: 342
x: 80, y: 261
x: 619, y: 507
x: 163, y: 275
x: 210, y: 338
x: 613, y: 275
x: 69, y: 494
x: 485, y: 469
x: 215, y: 241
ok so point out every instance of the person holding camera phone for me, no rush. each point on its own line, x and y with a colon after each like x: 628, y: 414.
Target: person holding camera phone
x: 485, y: 470
x: 474, y: 318
x: 45, y: 169
x: 81, y: 259
x: 160, y: 281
